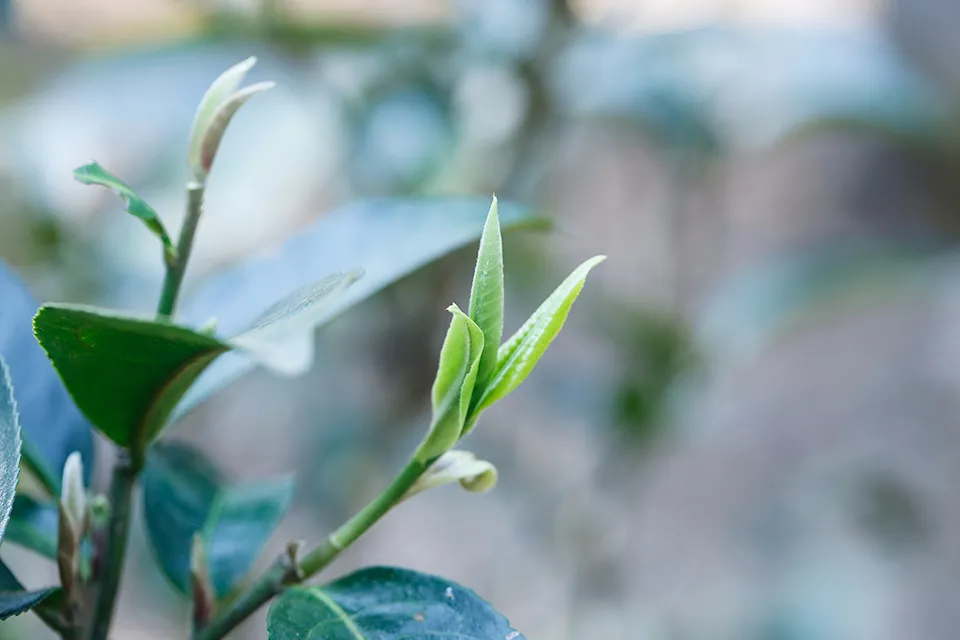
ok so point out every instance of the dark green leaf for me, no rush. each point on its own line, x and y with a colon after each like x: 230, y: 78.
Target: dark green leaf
x: 520, y: 354
x: 382, y: 603
x: 33, y: 525
x: 387, y: 238
x: 126, y: 374
x: 9, y: 447
x: 486, y: 295
x: 184, y: 493
x: 14, y: 598
x: 94, y: 174
x: 53, y: 428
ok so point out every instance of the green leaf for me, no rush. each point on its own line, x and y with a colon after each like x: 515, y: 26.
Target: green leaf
x: 282, y: 336
x: 453, y: 386
x: 33, y: 525
x: 183, y: 493
x: 52, y: 425
x: 520, y: 354
x: 486, y: 295
x: 126, y: 374
x: 9, y: 447
x: 382, y: 603
x: 388, y: 238
x: 14, y: 598
x: 94, y: 174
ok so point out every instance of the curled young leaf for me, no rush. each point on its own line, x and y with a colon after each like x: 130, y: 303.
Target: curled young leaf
x: 520, y: 354
x: 218, y: 123
x: 453, y: 386
x: 74, y: 496
x: 473, y: 474
x: 94, y: 174
x: 214, y: 114
x: 486, y: 295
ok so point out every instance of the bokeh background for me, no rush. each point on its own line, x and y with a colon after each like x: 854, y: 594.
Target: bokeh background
x: 749, y: 430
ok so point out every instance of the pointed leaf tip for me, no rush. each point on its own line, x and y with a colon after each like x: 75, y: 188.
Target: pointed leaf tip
x: 520, y: 354
x: 486, y: 293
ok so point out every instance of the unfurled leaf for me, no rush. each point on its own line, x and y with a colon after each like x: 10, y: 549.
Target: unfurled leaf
x: 453, y: 386
x: 183, y: 494
x: 518, y: 356
x: 94, y: 174
x: 486, y: 295
x: 282, y: 337
x: 382, y: 603
x: 473, y: 474
x: 387, y: 238
x: 126, y: 374
x: 52, y: 425
x: 9, y: 447
x: 14, y: 598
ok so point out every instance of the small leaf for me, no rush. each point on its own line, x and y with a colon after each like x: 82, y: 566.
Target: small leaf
x: 126, y: 374
x: 52, y: 425
x: 474, y: 475
x: 184, y: 493
x: 33, y: 525
x: 282, y: 337
x: 94, y: 174
x: 518, y: 356
x: 9, y: 447
x: 14, y: 598
x: 486, y: 295
x: 222, y: 88
x: 221, y: 119
x: 382, y: 603
x: 453, y: 386
x: 388, y: 238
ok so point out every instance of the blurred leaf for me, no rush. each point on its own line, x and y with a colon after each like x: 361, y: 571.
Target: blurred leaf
x: 9, y: 447
x: 713, y: 88
x: 33, y: 525
x: 520, y: 354
x: 453, y: 386
x: 126, y: 374
x: 282, y: 337
x: 184, y: 493
x: 217, y: 127
x: 14, y: 598
x: 486, y: 294
x: 382, y: 603
x: 94, y: 174
x: 387, y: 238
x: 52, y: 426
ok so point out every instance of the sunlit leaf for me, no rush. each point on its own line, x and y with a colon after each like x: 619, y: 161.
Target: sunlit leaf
x: 486, y: 295
x: 183, y: 493
x: 520, y: 354
x: 219, y: 91
x: 382, y: 603
x: 453, y: 386
x: 94, y: 174
x: 388, y: 239
x: 126, y: 374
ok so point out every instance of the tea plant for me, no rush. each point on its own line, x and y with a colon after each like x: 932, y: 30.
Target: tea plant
x: 131, y: 377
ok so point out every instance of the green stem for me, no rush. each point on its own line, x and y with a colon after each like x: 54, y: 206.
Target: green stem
x: 284, y: 573
x: 178, y: 267
x: 125, y: 472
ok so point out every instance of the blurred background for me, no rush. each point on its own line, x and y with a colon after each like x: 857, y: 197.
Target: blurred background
x: 749, y: 429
